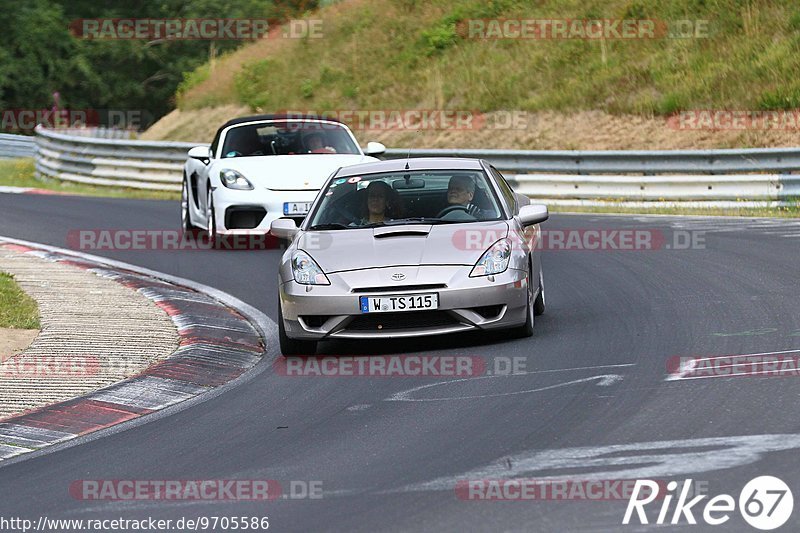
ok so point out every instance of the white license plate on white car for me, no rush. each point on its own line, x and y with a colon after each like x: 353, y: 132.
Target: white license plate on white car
x: 392, y: 303
x: 296, y: 208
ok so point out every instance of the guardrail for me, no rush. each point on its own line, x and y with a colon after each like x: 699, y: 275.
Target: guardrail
x: 690, y: 177
x: 697, y: 178
x: 645, y: 162
x: 99, y: 132
x: 728, y: 188
x: 111, y: 162
x: 16, y: 146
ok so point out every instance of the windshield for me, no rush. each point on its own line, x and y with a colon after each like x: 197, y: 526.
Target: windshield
x: 288, y: 138
x: 406, y: 197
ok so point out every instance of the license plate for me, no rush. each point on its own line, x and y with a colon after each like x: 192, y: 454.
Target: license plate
x: 296, y: 208
x: 393, y: 303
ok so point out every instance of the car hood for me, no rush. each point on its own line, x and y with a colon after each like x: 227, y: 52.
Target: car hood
x: 414, y: 244
x: 290, y: 172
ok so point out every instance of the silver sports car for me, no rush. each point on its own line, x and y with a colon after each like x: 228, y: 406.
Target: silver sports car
x: 410, y: 247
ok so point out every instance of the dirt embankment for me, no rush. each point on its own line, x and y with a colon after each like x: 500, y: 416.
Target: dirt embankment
x: 586, y: 130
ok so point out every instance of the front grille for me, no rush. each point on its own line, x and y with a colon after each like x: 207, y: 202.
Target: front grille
x: 430, y: 286
x: 400, y: 321
x: 244, y: 217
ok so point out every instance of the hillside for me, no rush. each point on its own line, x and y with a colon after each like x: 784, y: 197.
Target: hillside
x: 574, y: 93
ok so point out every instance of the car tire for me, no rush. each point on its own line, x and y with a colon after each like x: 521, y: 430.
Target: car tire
x: 186, y: 217
x: 526, y: 330
x: 539, y: 304
x: 293, y: 347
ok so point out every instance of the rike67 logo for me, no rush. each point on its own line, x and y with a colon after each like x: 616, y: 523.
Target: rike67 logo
x: 765, y: 503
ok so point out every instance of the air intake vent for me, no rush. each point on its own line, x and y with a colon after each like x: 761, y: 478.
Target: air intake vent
x: 489, y: 312
x: 314, y: 321
x: 401, y: 321
x: 407, y: 233
x: 238, y: 217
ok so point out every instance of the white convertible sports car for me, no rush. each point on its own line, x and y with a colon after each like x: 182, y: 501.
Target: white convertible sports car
x: 262, y: 168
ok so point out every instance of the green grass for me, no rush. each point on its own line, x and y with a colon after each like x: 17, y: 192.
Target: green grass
x: 21, y: 173
x: 400, y: 54
x: 17, y: 309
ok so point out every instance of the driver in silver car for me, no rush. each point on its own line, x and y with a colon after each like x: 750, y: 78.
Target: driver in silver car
x: 461, y: 191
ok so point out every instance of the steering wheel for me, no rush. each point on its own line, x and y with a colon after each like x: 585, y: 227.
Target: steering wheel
x: 452, y: 208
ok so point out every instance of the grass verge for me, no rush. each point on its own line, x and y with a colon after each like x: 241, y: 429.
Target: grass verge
x: 17, y: 309
x: 21, y: 173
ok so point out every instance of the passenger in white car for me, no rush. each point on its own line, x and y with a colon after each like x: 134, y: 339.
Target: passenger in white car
x: 315, y: 145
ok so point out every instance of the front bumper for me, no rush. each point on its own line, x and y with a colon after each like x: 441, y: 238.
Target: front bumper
x: 227, y: 201
x: 332, y: 311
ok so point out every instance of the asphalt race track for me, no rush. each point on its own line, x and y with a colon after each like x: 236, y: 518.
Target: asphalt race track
x: 595, y: 376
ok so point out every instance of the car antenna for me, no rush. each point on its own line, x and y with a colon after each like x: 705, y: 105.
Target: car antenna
x: 408, y: 153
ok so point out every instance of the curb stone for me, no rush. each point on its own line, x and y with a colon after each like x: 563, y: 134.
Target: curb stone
x: 217, y: 345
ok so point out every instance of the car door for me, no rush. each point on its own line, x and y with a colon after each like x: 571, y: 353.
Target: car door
x: 199, y: 180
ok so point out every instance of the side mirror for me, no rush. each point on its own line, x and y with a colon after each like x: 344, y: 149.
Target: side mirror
x: 283, y: 228
x: 533, y: 214
x: 374, y: 148
x: 203, y: 153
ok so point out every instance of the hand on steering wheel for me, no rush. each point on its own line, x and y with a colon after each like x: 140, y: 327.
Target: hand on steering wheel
x: 451, y: 208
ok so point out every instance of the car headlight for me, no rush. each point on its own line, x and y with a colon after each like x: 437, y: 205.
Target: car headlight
x: 234, y: 180
x: 494, y: 260
x: 306, y: 271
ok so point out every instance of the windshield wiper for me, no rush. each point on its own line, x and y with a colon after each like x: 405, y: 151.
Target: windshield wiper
x: 424, y: 220
x: 330, y: 225
x: 401, y: 221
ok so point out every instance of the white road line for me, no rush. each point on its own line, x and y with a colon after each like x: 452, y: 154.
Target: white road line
x: 639, y: 460
x: 603, y: 380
